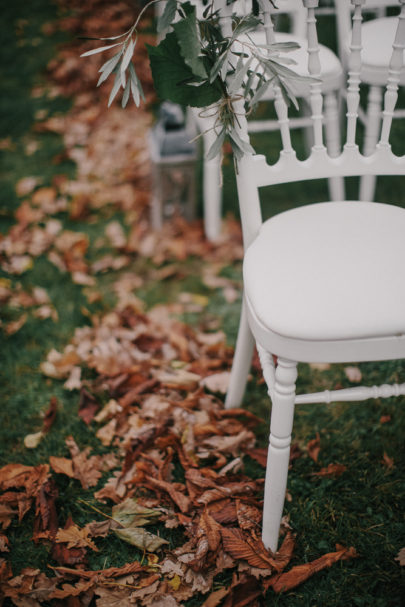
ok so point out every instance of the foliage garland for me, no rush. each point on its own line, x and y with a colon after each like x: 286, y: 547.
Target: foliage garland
x: 196, y: 65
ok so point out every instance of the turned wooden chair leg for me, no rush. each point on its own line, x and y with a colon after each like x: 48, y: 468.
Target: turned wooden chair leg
x: 282, y: 415
x: 242, y: 361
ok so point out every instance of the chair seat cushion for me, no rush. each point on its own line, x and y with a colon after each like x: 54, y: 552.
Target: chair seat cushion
x: 377, y: 38
x: 328, y: 271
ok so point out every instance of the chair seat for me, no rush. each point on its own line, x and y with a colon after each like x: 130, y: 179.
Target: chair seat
x: 331, y: 68
x: 329, y: 271
x: 377, y: 38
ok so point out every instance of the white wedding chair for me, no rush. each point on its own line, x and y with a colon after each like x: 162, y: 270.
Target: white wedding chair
x: 323, y: 282
x: 377, y: 37
x: 332, y: 80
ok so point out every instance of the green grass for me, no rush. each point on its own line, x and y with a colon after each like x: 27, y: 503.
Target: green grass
x: 363, y: 507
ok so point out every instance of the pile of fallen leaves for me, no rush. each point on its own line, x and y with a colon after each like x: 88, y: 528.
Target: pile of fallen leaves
x: 151, y: 373
x: 147, y: 383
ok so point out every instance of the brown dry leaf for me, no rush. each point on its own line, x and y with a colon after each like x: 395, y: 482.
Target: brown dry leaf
x: 215, y: 597
x: 88, y: 406
x: 218, y: 382
x: 313, y: 447
x: 249, y: 517
x: 62, y: 465
x: 46, y: 518
x: 239, y: 547
x: 4, y: 543
x: 384, y: 419
x: 86, y: 469
x: 353, y: 374
x: 15, y: 325
x: 259, y: 454
x: 401, y: 557
x: 331, y: 471
x: 299, y: 574
x: 113, y: 597
x: 70, y: 590
x: 6, y: 515
x: 181, y: 500
x: 211, y: 529
x: 75, y: 537
x: 388, y: 461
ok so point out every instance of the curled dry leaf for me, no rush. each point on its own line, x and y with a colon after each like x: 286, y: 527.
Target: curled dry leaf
x: 299, y: 574
x: 142, y: 539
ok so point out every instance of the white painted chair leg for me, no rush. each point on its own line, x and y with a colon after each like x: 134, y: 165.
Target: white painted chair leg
x: 242, y: 361
x: 333, y: 144
x: 282, y: 415
x: 212, y: 191
x: 371, y: 135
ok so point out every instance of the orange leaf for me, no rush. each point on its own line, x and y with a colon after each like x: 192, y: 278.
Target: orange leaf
x: 313, y: 447
x: 331, y: 471
x: 299, y: 574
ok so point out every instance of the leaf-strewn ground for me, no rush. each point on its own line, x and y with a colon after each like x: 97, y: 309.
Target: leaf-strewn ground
x: 123, y: 479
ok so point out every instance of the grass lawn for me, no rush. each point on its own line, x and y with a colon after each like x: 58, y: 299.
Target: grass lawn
x: 362, y: 507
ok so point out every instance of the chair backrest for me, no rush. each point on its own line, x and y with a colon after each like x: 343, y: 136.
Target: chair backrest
x: 344, y: 9
x: 254, y: 171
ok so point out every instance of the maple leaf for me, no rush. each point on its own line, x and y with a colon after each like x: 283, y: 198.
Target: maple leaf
x: 75, y: 537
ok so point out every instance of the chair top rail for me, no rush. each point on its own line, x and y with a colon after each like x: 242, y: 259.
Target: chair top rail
x: 319, y: 165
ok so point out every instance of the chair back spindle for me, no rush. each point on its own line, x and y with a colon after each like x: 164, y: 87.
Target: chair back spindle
x: 354, y: 68
x: 314, y: 69
x: 396, y: 65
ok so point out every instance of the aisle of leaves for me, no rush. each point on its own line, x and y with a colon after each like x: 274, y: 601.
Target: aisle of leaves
x: 146, y: 382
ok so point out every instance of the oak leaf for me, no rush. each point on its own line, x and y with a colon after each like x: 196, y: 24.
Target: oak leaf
x: 75, y: 537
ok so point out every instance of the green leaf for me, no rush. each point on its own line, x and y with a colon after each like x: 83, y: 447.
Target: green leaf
x: 115, y: 88
x: 127, y: 55
x: 108, y: 67
x: 100, y: 49
x: 190, y: 46
x: 245, y: 25
x: 136, y: 86
x: 235, y: 83
x: 142, y: 539
x: 170, y: 72
x: 125, y: 96
x: 165, y: 20
x: 216, y: 147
